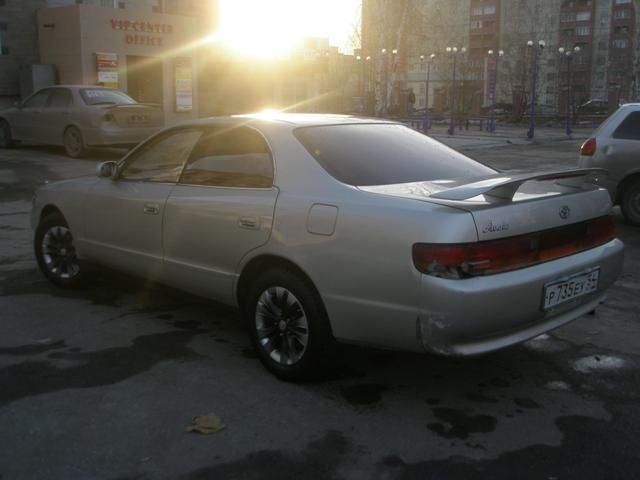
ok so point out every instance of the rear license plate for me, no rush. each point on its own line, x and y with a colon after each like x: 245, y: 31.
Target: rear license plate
x: 566, y: 289
x: 138, y: 119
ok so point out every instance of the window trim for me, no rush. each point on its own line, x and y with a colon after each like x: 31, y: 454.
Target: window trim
x: 271, y: 155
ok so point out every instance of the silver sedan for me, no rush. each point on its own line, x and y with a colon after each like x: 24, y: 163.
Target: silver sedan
x: 325, y: 228
x: 78, y: 117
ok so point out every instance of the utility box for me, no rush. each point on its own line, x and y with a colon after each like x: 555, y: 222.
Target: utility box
x: 35, y: 77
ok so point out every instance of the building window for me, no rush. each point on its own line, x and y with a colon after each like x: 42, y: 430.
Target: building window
x: 622, y: 14
x: 490, y: 10
x: 621, y: 43
x: 477, y: 11
x: 622, y: 30
x: 621, y: 2
x: 475, y: 24
x: 583, y: 31
x: 567, y: 17
x: 583, y: 16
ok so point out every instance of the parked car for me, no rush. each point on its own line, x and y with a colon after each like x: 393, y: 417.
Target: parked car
x: 615, y: 146
x: 325, y: 228
x: 78, y: 117
x: 593, y: 106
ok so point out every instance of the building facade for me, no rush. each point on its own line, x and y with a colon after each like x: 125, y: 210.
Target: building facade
x: 605, y: 69
x: 147, y: 48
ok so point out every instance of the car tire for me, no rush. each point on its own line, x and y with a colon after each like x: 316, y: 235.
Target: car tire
x: 630, y: 202
x: 6, y: 139
x: 55, y: 252
x: 288, y: 326
x: 74, y: 143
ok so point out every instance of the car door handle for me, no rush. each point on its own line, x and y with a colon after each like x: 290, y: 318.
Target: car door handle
x: 248, y: 222
x: 151, y: 208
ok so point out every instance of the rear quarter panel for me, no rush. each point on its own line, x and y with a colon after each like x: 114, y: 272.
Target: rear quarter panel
x: 364, y: 270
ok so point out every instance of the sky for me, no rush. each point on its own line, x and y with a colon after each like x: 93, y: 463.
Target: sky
x: 267, y: 28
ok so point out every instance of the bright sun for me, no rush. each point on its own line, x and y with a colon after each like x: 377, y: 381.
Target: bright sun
x: 272, y: 28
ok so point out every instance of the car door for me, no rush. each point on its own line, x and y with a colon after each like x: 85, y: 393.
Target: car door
x: 28, y: 124
x: 622, y: 153
x: 123, y: 216
x: 57, y: 115
x: 221, y: 209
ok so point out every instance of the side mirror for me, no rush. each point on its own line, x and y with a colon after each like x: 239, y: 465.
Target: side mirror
x: 107, y: 169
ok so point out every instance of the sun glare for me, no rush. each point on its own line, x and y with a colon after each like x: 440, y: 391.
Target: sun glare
x: 273, y: 28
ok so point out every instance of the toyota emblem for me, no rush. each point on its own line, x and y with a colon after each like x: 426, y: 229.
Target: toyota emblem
x: 565, y: 212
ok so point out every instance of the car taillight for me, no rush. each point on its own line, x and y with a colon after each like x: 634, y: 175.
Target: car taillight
x: 109, y: 117
x: 588, y: 148
x: 506, y: 254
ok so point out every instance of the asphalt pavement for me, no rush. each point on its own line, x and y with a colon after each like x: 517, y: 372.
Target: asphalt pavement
x: 100, y: 383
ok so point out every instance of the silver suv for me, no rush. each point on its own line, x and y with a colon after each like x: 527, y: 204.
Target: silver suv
x: 615, y: 145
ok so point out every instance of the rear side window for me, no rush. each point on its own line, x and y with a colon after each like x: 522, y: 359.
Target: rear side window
x: 60, y: 98
x: 629, y: 129
x: 105, y: 96
x: 230, y: 157
x: 383, y: 154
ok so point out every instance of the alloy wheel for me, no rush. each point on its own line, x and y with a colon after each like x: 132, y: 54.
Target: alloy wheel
x: 281, y: 325
x: 59, y: 254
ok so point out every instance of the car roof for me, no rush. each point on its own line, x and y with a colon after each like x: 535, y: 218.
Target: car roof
x: 292, y: 119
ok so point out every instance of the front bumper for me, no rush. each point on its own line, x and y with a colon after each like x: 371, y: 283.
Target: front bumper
x: 117, y: 136
x: 478, y: 315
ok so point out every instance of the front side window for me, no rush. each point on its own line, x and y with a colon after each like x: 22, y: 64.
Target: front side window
x: 162, y: 158
x: 384, y: 154
x: 37, y: 100
x: 105, y: 96
x: 629, y: 129
x: 230, y: 157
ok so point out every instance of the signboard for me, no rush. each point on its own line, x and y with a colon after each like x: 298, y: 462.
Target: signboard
x: 184, y: 84
x: 142, y: 32
x: 107, y: 68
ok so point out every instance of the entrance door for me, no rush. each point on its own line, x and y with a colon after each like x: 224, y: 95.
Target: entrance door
x: 144, y: 79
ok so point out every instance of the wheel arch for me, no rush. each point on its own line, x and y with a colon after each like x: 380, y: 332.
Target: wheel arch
x: 626, y: 181
x: 50, y: 209
x: 265, y: 262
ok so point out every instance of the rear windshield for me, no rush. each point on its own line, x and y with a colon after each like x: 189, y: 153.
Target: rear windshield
x: 383, y: 154
x: 103, y: 96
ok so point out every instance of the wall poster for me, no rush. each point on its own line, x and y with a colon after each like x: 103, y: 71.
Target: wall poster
x: 184, y: 84
x: 107, y: 68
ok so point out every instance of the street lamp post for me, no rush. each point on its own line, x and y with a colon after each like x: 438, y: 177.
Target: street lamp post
x: 453, y: 51
x: 535, y: 51
x: 569, y: 55
x: 492, y: 120
x: 385, y: 59
x: 427, y: 113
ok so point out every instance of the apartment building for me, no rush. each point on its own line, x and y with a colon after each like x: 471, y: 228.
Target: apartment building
x: 604, y: 68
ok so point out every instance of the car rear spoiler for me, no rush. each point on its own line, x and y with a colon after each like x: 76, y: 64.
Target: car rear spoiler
x: 504, y: 187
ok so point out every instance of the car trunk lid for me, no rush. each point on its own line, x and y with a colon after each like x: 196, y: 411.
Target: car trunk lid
x: 136, y: 115
x: 504, y: 205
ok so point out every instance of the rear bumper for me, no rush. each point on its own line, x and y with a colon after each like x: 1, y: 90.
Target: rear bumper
x: 117, y: 136
x: 478, y: 315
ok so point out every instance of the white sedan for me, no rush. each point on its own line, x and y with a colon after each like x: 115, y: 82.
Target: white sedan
x: 325, y: 228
